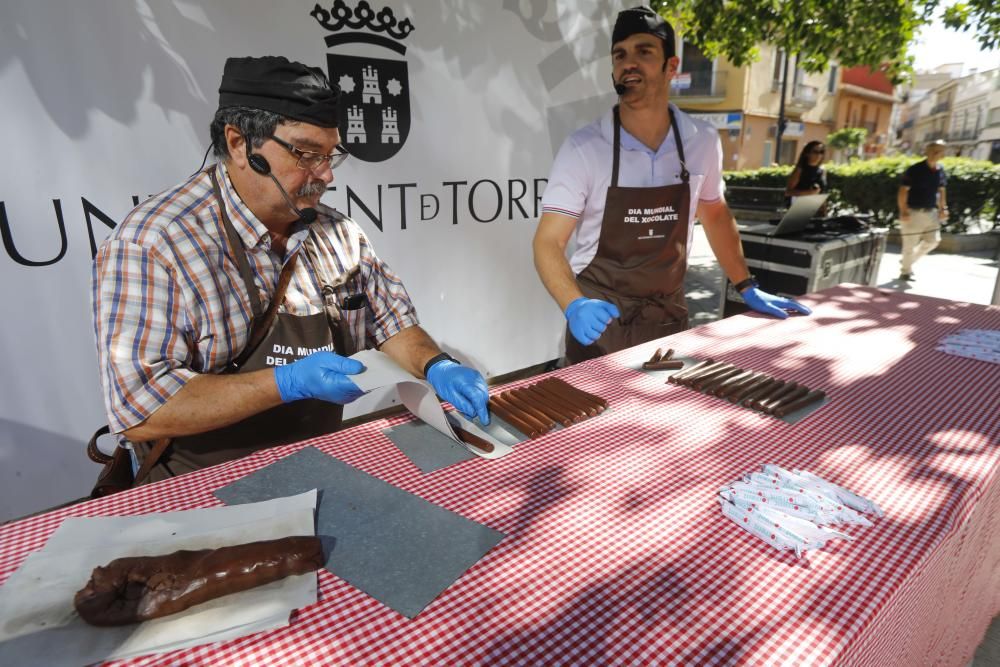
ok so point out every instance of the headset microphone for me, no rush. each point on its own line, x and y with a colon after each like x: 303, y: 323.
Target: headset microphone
x: 260, y: 165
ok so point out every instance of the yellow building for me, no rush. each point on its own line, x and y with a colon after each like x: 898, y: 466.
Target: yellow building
x: 743, y: 103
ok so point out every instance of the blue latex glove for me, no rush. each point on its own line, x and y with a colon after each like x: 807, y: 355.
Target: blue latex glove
x: 321, y: 375
x: 461, y: 386
x: 770, y: 304
x: 588, y: 318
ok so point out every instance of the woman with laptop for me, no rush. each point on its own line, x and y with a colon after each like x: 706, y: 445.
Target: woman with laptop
x: 809, y: 176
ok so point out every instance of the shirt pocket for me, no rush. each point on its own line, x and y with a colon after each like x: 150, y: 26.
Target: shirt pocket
x: 348, y: 312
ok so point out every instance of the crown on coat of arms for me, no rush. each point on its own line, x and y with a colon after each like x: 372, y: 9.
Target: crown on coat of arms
x: 341, y: 16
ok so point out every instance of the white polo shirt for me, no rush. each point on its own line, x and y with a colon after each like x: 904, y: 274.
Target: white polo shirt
x: 581, y: 174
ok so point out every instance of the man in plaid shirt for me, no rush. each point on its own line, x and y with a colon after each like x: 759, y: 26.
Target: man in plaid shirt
x: 178, y: 285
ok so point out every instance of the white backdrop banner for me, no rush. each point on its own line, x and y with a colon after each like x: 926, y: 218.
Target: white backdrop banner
x: 106, y: 102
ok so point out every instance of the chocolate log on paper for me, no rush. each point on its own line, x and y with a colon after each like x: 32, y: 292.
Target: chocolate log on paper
x: 570, y: 407
x: 553, y: 407
x: 656, y: 356
x: 528, y: 413
x: 582, y: 397
x: 588, y: 396
x: 730, y: 384
x: 777, y: 402
x: 744, y: 391
x: 699, y: 381
x: 668, y: 365
x: 140, y: 588
x: 525, y: 403
x: 808, y: 399
x: 556, y: 403
x: 685, y: 378
x: 697, y: 368
x: 591, y: 409
x: 472, y: 440
x: 790, y: 388
x: 506, y: 413
x: 726, y: 371
x: 774, y: 390
x: 782, y: 390
x: 760, y: 390
x: 517, y: 398
x: 709, y: 386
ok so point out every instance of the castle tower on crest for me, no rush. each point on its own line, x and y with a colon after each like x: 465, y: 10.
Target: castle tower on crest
x: 356, y: 126
x: 390, y: 126
x: 370, y: 93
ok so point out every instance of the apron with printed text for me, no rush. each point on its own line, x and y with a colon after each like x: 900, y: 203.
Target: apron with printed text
x: 640, y: 262
x: 290, y: 338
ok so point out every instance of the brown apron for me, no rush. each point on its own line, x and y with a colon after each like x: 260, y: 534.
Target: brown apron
x: 640, y: 262
x: 291, y: 337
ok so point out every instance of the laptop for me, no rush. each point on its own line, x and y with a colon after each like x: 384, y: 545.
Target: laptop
x: 795, y: 220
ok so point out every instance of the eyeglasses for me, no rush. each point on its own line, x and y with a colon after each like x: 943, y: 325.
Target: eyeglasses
x: 312, y: 161
x: 818, y: 152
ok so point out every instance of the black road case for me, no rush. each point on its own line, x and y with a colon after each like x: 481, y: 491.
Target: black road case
x: 806, y: 262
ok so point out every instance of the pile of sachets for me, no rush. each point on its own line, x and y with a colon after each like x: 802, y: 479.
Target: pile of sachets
x: 792, y: 509
x: 982, y: 344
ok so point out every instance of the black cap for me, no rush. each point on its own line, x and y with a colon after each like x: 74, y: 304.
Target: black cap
x: 643, y: 20
x: 276, y: 84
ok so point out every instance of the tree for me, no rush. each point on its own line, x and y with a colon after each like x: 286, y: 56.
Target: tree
x: 848, y: 139
x: 852, y: 32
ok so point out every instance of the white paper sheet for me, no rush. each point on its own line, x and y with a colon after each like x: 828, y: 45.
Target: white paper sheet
x: 38, y: 624
x: 420, y: 399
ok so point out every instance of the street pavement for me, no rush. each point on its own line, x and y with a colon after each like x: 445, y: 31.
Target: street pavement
x: 968, y: 277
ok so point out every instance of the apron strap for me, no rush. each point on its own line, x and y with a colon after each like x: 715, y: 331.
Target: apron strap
x: 157, y: 447
x: 236, y: 244
x: 262, y: 325
x: 261, y: 320
x: 685, y: 175
x: 617, y: 148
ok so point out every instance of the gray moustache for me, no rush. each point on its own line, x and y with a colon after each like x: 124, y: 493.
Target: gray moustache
x: 311, y: 189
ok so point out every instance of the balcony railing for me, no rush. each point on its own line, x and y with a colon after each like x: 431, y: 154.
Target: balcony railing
x: 702, y: 84
x: 962, y: 135
x: 940, y: 107
x: 934, y: 136
x: 804, y: 97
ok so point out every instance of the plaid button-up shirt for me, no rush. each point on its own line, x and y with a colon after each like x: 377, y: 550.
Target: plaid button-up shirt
x: 169, y: 302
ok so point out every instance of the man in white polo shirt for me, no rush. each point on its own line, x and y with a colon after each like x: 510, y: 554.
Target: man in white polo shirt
x: 630, y: 186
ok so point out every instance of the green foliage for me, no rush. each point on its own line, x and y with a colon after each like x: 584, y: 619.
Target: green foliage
x: 983, y: 15
x: 847, y: 138
x: 870, y: 187
x: 852, y: 32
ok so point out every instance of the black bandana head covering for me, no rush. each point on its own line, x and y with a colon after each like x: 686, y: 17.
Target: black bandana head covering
x: 276, y: 84
x: 643, y: 20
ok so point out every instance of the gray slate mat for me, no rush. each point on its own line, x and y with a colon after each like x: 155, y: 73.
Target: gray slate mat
x: 430, y: 450
x: 398, y: 548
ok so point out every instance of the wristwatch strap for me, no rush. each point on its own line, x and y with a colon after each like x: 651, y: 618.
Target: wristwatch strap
x: 444, y: 356
x: 744, y: 284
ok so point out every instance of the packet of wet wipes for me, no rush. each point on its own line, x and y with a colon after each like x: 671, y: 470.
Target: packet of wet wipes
x: 849, y: 498
x: 778, y: 529
x: 791, y: 509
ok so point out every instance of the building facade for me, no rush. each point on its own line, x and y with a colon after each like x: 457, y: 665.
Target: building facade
x: 963, y: 111
x: 866, y: 99
x: 743, y: 103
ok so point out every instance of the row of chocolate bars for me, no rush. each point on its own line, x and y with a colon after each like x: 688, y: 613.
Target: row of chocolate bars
x: 537, y: 408
x: 751, y: 389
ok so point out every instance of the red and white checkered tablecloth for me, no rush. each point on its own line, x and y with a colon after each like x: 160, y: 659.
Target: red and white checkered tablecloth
x: 616, y: 550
